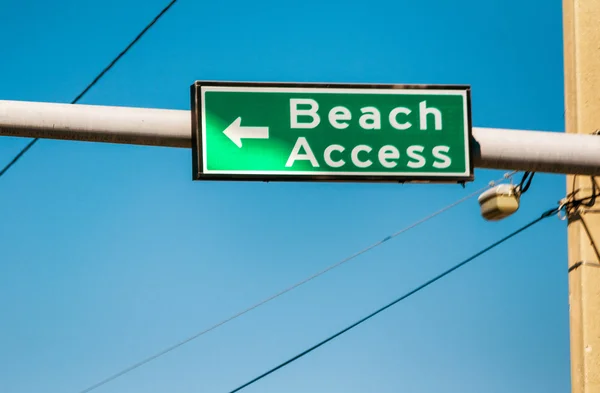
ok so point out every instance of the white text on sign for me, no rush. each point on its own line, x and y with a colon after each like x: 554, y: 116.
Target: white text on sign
x: 370, y: 118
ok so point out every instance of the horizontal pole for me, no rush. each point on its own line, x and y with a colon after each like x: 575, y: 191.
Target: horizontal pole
x: 524, y: 150
x: 537, y: 151
x: 94, y: 123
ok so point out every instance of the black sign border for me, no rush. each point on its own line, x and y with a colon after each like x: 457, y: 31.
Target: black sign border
x: 197, y: 159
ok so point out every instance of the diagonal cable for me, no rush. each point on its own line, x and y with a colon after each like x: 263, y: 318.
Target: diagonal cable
x: 294, y: 286
x: 94, y: 82
x: 408, y: 294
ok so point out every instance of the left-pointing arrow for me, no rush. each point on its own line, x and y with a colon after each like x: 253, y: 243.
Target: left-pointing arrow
x: 236, y: 132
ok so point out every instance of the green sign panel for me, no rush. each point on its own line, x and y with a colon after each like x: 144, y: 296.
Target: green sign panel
x: 331, y: 132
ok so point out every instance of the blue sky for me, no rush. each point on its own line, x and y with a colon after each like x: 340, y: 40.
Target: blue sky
x: 110, y: 253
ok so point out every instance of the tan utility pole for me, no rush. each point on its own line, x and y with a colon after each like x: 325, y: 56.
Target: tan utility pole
x: 581, y: 24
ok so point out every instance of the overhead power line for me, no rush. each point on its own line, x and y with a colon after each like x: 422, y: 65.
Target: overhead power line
x: 546, y: 214
x: 294, y: 286
x: 95, y: 81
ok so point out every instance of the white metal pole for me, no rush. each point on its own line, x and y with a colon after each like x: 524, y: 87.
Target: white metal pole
x: 551, y: 152
x: 92, y: 123
x: 540, y: 151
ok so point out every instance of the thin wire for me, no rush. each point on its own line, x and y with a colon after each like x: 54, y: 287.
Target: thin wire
x: 412, y: 292
x: 95, y: 81
x: 296, y: 285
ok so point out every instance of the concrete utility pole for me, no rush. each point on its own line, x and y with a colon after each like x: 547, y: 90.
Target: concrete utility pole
x: 550, y: 152
x: 581, y: 22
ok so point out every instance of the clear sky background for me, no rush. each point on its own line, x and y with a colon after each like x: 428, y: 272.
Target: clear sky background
x: 110, y: 253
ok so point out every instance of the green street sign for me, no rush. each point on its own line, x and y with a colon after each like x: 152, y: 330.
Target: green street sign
x: 331, y: 132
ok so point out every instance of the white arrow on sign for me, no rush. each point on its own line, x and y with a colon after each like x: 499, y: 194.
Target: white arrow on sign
x: 236, y: 132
